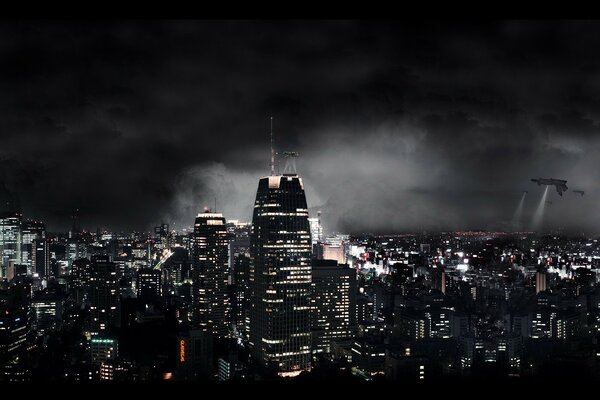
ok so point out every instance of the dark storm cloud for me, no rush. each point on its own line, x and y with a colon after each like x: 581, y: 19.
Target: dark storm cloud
x: 400, y: 126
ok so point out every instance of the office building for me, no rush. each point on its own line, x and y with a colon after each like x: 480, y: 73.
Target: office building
x: 148, y: 285
x: 31, y: 230
x: 280, y: 275
x: 47, y: 312
x: 40, y: 262
x: 104, y: 295
x: 333, y: 304
x: 103, y: 349
x: 162, y: 236
x: 10, y: 239
x: 210, y: 260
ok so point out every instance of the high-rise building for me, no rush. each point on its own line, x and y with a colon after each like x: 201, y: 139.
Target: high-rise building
x: 333, y: 304
x: 47, y: 312
x: 76, y: 250
x: 280, y: 275
x: 239, y: 268
x: 31, y: 231
x: 104, y: 295
x: 79, y: 279
x: 365, y: 309
x: 15, y: 320
x: 210, y: 260
x: 103, y: 349
x: 75, y: 231
x: 149, y: 287
x: 10, y: 239
x: 40, y: 261
x: 161, y: 236
x: 540, y: 281
x: 240, y: 241
x: 242, y: 305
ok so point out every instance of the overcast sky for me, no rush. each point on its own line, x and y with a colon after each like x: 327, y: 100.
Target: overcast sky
x: 400, y: 126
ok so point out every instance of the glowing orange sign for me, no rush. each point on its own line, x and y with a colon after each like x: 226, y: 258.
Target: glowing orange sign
x: 182, y: 351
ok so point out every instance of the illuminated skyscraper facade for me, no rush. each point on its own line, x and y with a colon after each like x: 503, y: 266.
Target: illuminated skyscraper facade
x: 104, y: 295
x: 40, y: 257
x: 333, y: 303
x: 280, y: 275
x: 210, y: 252
x: 10, y: 239
x: 31, y: 231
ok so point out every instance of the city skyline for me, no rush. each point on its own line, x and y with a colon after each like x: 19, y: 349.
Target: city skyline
x: 447, y: 122
x: 272, y: 202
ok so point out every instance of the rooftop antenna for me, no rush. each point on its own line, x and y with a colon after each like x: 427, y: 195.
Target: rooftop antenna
x: 272, y: 151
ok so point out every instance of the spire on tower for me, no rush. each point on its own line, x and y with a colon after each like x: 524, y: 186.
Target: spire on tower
x: 272, y: 151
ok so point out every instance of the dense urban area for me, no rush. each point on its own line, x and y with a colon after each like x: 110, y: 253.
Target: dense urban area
x: 279, y: 298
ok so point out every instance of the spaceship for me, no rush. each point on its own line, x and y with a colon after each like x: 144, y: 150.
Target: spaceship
x: 561, y: 185
x: 581, y: 192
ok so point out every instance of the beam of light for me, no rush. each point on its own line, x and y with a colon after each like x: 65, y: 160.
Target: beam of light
x: 539, y: 212
x: 516, y: 219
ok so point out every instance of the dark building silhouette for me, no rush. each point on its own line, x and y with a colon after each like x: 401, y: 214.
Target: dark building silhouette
x: 79, y: 279
x: 104, y: 295
x: 242, y: 304
x: 148, y: 285
x: 15, y: 320
x: 194, y: 355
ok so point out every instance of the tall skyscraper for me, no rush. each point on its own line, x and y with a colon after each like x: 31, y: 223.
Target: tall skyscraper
x: 31, y: 231
x: 104, y: 295
x: 40, y: 260
x: 280, y: 275
x: 10, y: 239
x: 210, y: 253
x: 333, y: 303
x: 242, y: 304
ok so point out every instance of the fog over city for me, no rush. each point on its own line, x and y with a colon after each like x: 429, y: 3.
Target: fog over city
x: 398, y: 126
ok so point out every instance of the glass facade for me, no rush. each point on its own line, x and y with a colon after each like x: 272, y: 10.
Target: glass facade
x: 280, y: 275
x: 210, y: 251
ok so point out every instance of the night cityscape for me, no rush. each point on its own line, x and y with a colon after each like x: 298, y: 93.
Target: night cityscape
x: 276, y: 202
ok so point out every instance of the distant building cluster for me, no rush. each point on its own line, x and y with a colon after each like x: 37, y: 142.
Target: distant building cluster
x: 278, y: 298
